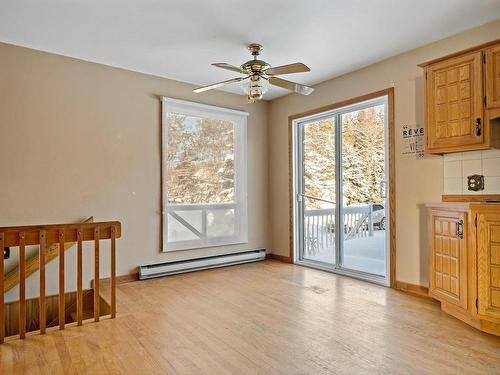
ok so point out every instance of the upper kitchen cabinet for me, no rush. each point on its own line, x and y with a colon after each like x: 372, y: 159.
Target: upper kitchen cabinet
x: 454, y: 103
x: 462, y: 100
x: 492, y: 62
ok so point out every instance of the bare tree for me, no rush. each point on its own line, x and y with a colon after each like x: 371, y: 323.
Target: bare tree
x: 200, y: 160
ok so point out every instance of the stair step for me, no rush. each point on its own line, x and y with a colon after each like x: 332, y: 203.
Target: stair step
x: 87, y: 314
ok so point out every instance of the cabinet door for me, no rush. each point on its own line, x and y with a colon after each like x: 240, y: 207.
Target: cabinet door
x: 454, y: 103
x: 493, y: 77
x: 488, y: 265
x: 448, y: 266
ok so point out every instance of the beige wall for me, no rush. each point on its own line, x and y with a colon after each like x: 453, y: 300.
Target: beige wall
x: 80, y: 139
x: 418, y: 180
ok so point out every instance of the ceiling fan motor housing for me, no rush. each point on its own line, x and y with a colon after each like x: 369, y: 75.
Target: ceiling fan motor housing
x: 255, y: 66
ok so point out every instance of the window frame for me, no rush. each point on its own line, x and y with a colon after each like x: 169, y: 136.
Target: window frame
x: 239, y: 119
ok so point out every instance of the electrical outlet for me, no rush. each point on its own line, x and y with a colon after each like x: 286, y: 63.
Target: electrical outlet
x: 475, y: 182
x: 6, y: 253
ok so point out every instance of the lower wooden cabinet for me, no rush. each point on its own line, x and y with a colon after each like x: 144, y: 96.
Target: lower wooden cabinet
x: 464, y: 272
x: 488, y: 264
x: 448, y: 266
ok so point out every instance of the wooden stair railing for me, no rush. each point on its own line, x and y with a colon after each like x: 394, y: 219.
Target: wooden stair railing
x: 61, y: 234
x: 11, y: 279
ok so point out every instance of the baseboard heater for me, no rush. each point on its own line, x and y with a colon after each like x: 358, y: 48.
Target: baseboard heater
x: 171, y: 268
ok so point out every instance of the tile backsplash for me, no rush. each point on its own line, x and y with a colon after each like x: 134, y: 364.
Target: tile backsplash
x: 459, y: 165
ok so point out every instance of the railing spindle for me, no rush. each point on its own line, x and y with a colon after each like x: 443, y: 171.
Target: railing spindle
x: 113, y: 272
x: 41, y: 303
x: 323, y: 231
x: 22, y: 285
x: 62, y: 319
x: 2, y: 314
x: 96, y: 274
x: 316, y: 232
x: 79, y: 287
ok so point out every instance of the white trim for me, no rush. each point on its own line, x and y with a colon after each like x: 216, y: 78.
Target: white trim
x: 387, y: 202
x: 360, y: 275
x: 239, y: 119
x: 199, y: 106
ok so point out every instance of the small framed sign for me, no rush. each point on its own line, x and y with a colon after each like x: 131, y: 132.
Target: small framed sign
x: 413, y: 140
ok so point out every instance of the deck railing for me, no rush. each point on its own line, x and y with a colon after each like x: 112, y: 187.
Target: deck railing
x: 319, y: 225
x: 42, y: 235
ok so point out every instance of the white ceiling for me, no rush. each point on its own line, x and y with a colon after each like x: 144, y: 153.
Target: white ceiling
x: 179, y: 39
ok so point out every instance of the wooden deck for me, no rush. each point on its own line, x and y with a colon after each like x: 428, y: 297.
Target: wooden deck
x: 261, y: 318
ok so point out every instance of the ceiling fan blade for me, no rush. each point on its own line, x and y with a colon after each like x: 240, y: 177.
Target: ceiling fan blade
x: 287, y: 69
x: 218, y: 84
x: 230, y: 67
x: 297, y: 87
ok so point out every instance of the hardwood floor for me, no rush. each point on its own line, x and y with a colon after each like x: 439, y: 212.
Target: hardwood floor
x: 262, y: 318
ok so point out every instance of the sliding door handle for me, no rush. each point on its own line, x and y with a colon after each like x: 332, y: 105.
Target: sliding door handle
x: 383, y: 189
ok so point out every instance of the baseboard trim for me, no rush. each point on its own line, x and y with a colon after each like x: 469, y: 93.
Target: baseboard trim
x: 281, y: 258
x: 122, y: 279
x: 417, y: 290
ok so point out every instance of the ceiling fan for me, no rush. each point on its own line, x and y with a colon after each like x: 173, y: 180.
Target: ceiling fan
x: 259, y: 75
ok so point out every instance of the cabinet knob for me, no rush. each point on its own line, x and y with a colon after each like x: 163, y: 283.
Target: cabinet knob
x: 478, y: 127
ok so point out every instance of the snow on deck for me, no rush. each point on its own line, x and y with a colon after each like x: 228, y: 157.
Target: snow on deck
x: 365, y: 254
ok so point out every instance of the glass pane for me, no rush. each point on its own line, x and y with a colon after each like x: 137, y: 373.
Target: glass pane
x: 319, y: 231
x: 220, y: 223
x: 193, y: 217
x: 178, y: 231
x: 319, y: 159
x: 363, y: 190
x: 200, y: 161
x: 319, y: 186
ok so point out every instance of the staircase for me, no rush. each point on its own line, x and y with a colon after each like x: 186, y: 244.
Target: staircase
x: 52, y: 312
x: 64, y: 308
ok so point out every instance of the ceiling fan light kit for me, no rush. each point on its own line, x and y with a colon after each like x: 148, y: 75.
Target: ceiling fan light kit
x: 255, y: 87
x: 259, y: 75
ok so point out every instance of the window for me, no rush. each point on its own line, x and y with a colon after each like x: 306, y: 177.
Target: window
x: 204, y: 175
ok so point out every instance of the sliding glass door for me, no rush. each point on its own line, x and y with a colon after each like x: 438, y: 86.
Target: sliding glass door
x: 341, y: 179
x: 316, y: 183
